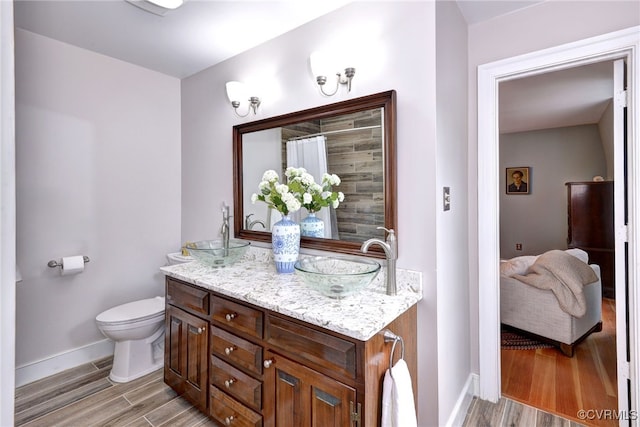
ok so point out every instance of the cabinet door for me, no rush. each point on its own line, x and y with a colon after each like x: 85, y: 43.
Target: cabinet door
x: 302, y: 397
x: 186, y: 355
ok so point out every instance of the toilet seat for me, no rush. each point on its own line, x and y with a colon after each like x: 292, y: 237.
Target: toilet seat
x: 136, y: 311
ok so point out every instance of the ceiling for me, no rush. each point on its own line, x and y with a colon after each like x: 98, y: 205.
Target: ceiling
x: 203, y: 33
x: 183, y: 42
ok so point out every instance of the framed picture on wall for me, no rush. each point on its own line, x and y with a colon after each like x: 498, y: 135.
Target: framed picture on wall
x: 518, y: 180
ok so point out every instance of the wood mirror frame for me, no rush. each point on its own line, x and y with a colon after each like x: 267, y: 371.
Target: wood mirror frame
x: 386, y: 100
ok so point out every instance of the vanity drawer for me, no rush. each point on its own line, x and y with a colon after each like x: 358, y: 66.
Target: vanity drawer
x: 238, y: 384
x: 228, y: 412
x: 235, y: 350
x: 188, y: 297
x: 237, y: 317
x: 316, y: 346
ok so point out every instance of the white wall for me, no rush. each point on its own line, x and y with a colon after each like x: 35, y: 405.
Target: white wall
x: 98, y: 174
x: 7, y: 215
x: 454, y: 365
x: 538, y: 220
x: 543, y: 25
x: 398, y: 40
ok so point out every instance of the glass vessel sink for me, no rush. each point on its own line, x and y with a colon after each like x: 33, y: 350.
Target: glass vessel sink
x: 337, y: 277
x: 213, y: 253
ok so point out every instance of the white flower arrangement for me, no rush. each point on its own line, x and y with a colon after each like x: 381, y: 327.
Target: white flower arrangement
x: 301, y: 191
x: 275, y: 194
x: 314, y: 196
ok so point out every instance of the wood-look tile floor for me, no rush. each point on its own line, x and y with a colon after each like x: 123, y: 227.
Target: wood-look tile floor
x: 509, y: 413
x: 84, y: 396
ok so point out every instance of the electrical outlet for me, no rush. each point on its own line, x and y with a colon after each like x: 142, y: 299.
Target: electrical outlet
x: 518, y: 246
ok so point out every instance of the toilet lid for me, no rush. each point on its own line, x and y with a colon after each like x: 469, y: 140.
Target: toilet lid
x: 135, y: 310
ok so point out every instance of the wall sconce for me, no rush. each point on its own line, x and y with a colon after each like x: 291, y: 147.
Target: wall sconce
x: 322, y: 66
x: 236, y: 92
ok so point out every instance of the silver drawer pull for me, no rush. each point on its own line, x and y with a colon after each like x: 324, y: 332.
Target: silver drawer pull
x: 228, y: 383
x: 229, y: 420
x: 201, y: 330
x: 267, y: 363
x: 231, y: 316
x: 229, y: 350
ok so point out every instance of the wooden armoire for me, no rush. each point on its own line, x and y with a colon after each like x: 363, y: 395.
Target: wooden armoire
x: 590, y: 216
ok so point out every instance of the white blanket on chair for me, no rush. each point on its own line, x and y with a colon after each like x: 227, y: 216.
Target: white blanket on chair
x: 563, y: 274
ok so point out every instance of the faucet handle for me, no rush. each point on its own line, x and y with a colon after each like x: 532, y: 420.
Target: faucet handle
x: 391, y: 236
x: 390, y: 231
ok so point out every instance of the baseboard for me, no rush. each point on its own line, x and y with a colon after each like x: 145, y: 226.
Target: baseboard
x: 63, y: 361
x: 459, y: 412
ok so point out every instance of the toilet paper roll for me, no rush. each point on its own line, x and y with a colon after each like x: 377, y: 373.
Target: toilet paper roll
x: 72, y: 265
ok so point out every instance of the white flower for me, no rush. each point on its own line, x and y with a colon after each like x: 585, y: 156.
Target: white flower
x: 270, y: 176
x: 306, y: 198
x: 282, y: 189
x: 325, y: 194
x: 335, y: 204
x: 307, y: 179
x: 335, y: 180
x: 292, y: 203
x: 340, y: 196
x: 292, y: 172
x: 254, y: 198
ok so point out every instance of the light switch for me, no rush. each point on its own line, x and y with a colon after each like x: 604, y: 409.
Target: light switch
x: 446, y: 198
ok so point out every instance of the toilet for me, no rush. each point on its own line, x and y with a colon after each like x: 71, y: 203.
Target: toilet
x: 137, y: 328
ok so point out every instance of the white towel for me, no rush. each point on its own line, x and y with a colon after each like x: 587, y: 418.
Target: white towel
x: 398, y: 407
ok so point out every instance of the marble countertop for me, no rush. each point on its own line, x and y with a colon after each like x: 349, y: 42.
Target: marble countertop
x: 254, y: 279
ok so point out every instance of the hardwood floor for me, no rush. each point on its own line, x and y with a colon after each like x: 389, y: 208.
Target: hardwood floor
x: 548, y: 380
x: 84, y: 396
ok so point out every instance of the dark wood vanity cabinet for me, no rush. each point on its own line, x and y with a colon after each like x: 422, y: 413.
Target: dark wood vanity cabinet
x: 186, y: 355
x: 591, y: 226
x: 264, y: 369
x: 304, y: 397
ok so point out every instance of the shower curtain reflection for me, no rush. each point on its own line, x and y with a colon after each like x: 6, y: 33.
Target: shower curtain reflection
x: 311, y: 154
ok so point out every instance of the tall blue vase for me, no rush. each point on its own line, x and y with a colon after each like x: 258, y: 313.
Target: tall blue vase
x: 285, y: 240
x: 312, y: 226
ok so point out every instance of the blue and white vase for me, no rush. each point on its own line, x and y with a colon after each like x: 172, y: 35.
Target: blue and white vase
x: 285, y: 240
x: 312, y: 226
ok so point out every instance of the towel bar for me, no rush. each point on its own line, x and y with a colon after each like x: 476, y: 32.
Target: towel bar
x: 391, y: 337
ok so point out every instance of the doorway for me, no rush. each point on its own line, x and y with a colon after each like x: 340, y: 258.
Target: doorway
x: 619, y: 45
x: 557, y: 127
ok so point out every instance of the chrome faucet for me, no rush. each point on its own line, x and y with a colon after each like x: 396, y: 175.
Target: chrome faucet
x: 248, y: 224
x: 225, y: 229
x: 390, y: 248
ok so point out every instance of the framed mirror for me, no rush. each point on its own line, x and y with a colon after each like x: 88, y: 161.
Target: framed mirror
x: 354, y: 139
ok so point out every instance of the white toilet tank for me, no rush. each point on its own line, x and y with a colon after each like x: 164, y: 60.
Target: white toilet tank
x: 177, y: 258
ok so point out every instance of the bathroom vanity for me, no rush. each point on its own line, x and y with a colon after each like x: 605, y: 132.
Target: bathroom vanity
x: 250, y: 347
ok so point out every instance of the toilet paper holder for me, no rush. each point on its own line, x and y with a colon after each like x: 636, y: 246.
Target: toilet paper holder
x: 53, y: 263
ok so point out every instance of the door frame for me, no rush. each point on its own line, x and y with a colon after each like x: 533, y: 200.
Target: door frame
x: 624, y: 44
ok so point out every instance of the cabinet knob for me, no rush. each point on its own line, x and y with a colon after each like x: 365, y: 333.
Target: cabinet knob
x: 229, y: 350
x: 231, y: 316
x: 267, y: 363
x: 201, y: 330
x: 228, y: 383
x: 228, y: 420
